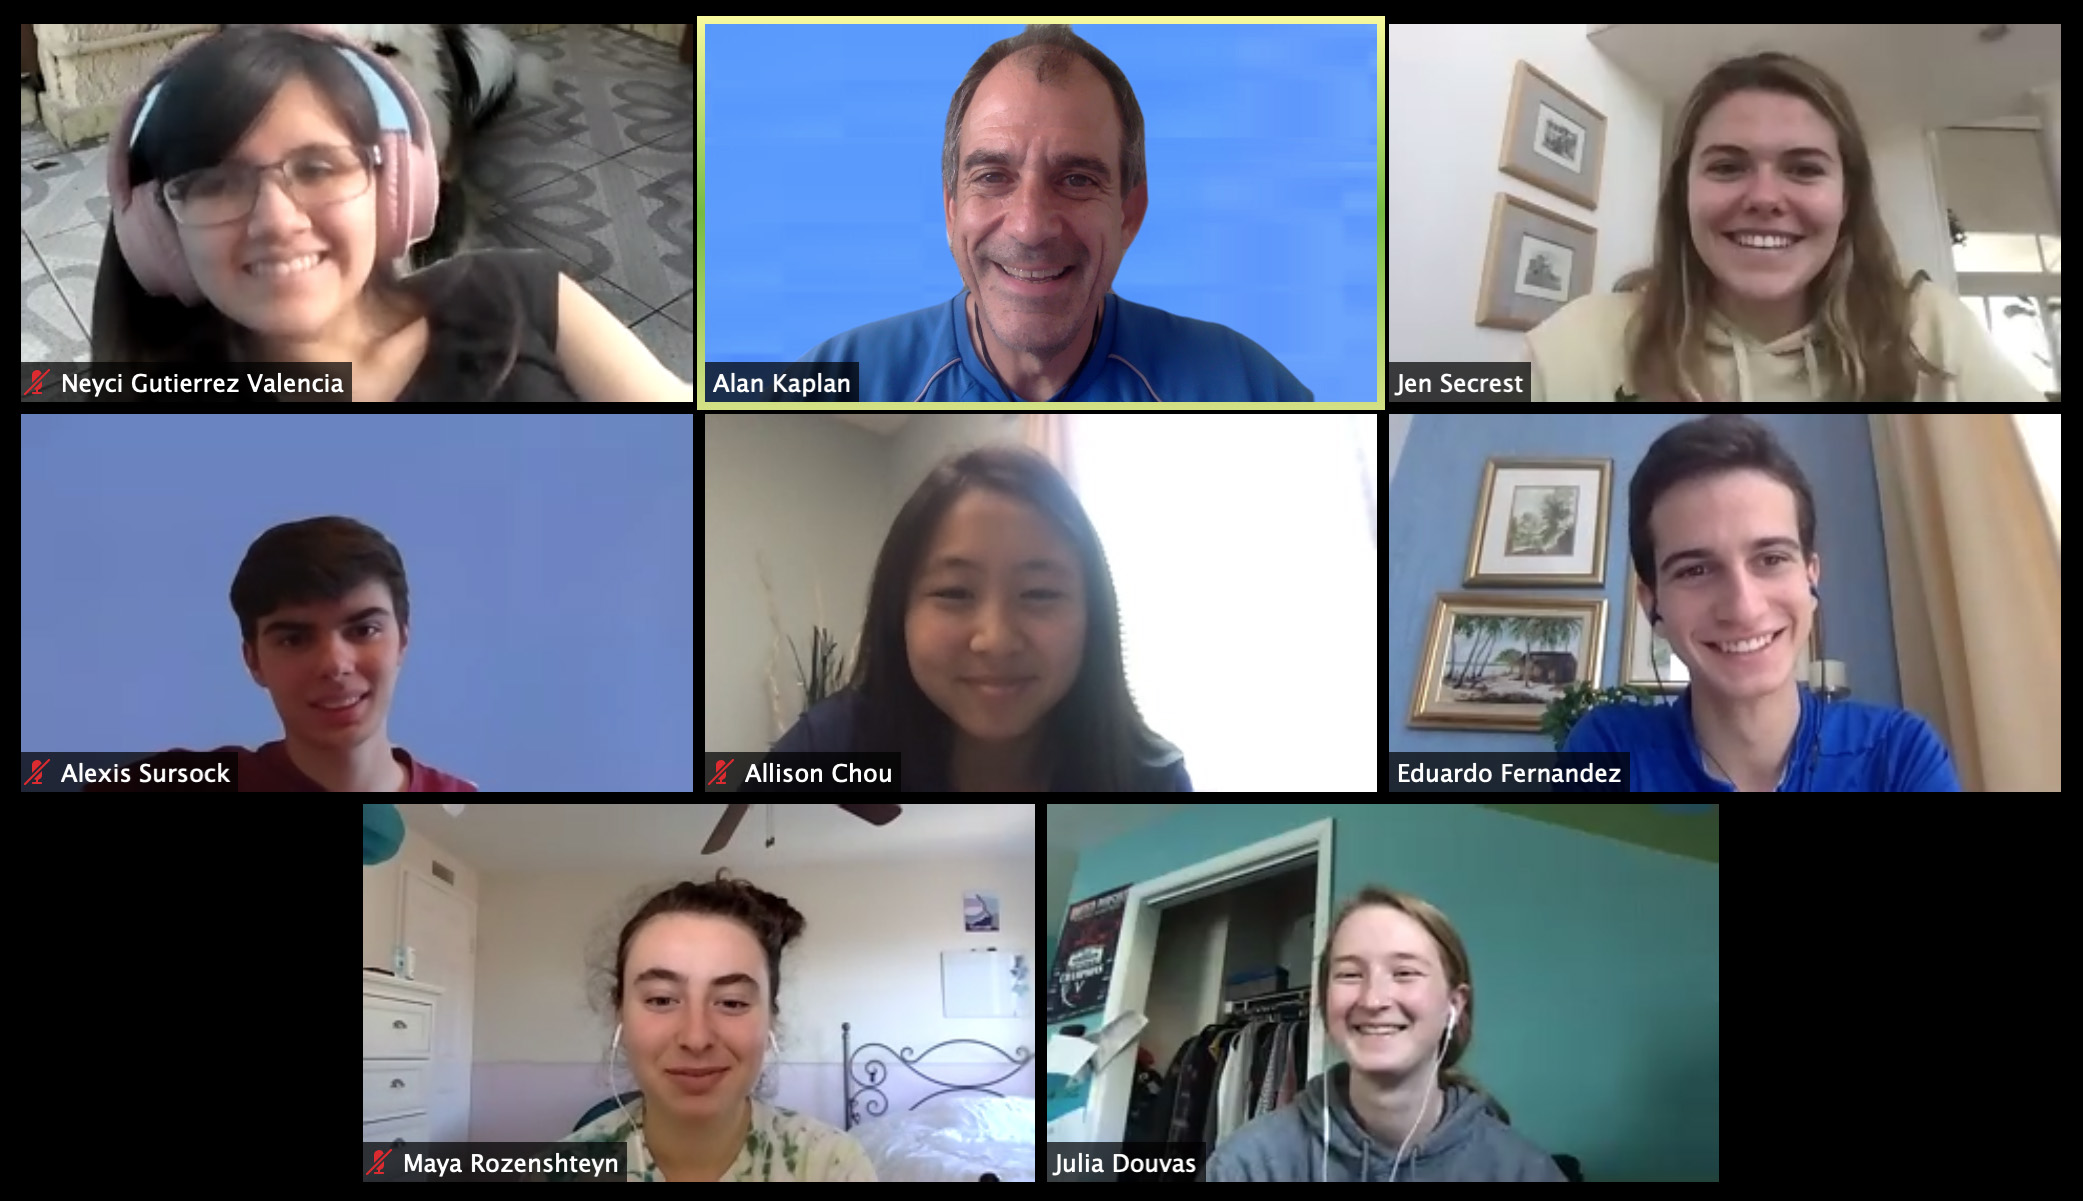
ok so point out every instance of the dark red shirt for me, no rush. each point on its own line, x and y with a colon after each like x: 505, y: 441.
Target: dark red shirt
x: 269, y: 770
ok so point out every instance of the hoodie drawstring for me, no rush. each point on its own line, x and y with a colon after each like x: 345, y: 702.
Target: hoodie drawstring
x: 1739, y: 349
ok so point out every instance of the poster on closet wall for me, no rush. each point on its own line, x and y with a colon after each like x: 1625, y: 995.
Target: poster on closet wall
x: 1085, y: 956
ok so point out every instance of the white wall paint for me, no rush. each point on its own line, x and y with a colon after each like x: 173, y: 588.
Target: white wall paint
x: 1448, y: 86
x: 870, y: 956
x: 1905, y: 174
x: 1980, y: 173
x: 2047, y: 103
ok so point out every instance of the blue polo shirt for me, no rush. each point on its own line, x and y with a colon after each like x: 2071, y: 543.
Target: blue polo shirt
x: 1839, y: 746
x: 1141, y: 353
x: 830, y: 724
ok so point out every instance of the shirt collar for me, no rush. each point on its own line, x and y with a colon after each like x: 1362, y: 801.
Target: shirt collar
x: 1088, y: 370
x: 1798, y: 756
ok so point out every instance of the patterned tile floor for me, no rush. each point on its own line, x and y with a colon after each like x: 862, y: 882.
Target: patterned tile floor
x: 603, y: 177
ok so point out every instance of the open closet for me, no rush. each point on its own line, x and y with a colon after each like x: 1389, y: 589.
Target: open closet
x: 1229, y: 1032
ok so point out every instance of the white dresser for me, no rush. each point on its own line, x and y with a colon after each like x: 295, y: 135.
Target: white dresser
x: 397, y: 1058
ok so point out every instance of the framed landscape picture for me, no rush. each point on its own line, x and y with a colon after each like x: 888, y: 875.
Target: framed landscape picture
x: 1541, y: 523
x: 1496, y: 662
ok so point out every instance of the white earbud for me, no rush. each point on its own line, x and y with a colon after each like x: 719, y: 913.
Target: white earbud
x: 1453, y: 1019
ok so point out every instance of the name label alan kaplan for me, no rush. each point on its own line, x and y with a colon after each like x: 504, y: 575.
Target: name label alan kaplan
x: 726, y: 382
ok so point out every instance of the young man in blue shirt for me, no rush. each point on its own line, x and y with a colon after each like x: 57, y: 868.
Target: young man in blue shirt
x: 1721, y: 526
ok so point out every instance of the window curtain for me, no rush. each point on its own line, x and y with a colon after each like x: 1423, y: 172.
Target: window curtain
x: 1244, y: 555
x: 1971, y: 520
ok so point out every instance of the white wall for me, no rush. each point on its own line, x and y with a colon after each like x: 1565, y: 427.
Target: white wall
x: 1988, y: 176
x: 1905, y: 175
x: 2047, y: 104
x: 1448, y: 87
x: 870, y: 955
x: 380, y: 885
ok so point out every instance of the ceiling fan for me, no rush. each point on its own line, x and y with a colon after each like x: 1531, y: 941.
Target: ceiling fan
x: 874, y: 815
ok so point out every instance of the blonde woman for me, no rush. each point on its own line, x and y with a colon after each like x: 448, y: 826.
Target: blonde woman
x: 1774, y: 278
x: 1398, y: 1001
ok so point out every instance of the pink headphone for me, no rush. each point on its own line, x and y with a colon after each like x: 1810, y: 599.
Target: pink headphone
x: 408, y: 179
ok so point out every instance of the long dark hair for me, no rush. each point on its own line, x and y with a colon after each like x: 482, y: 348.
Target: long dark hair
x: 1096, y: 723
x: 219, y: 89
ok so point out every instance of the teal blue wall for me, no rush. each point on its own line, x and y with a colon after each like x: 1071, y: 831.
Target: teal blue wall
x: 1597, y: 964
x: 1063, y: 865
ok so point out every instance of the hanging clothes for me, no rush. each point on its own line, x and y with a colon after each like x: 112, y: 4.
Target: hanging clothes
x: 1222, y: 1079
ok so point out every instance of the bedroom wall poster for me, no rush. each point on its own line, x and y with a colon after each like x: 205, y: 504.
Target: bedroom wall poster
x: 982, y: 983
x: 980, y: 912
x: 1085, y: 956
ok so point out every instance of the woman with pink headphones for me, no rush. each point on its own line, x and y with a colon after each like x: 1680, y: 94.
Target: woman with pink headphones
x: 267, y: 183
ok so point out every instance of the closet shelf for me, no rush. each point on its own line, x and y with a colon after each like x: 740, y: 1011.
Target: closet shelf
x: 1273, y: 1002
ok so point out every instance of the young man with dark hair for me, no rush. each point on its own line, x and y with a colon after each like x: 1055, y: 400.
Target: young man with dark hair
x: 324, y: 619
x: 1721, y: 529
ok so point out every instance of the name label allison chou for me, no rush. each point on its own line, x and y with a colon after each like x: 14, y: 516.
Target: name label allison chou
x: 781, y: 385
x: 844, y: 773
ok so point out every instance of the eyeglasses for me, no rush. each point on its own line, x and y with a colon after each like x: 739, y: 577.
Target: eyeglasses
x: 314, y: 178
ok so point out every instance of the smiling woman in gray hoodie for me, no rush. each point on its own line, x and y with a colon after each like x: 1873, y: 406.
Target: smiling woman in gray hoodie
x: 1399, y: 1004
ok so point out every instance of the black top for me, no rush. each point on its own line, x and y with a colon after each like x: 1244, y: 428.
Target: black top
x: 482, y: 302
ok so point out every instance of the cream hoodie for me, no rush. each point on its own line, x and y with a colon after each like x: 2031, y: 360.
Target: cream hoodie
x: 1580, y: 354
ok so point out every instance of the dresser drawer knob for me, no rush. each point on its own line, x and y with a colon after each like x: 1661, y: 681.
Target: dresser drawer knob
x: 399, y: 1024
x: 397, y: 1084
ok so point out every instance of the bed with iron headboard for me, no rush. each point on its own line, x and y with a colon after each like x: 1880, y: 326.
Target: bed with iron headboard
x: 958, y: 1132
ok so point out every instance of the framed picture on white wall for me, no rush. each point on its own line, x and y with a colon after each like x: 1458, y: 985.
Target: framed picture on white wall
x: 1536, y: 262
x: 1552, y: 140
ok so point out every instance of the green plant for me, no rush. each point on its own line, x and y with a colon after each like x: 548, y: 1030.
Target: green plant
x: 826, y: 674
x: 1565, y: 711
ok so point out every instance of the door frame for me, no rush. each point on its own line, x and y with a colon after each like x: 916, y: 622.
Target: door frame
x: 1128, y: 987
x: 450, y: 994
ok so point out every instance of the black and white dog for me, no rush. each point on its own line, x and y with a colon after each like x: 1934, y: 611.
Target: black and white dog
x: 466, y: 77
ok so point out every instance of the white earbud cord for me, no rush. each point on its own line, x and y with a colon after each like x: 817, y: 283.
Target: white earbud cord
x: 1453, y: 1016
x: 1324, y: 1172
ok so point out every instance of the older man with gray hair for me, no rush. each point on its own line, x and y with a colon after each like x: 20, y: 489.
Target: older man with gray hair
x: 1043, y: 183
